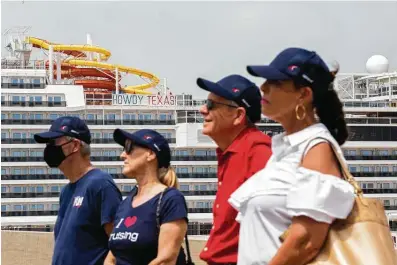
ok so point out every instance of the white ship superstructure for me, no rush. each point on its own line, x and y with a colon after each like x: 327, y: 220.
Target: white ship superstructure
x: 32, y: 97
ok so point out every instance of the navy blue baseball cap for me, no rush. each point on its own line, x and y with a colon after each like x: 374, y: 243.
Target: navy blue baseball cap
x: 149, y: 139
x: 303, y: 66
x: 65, y: 126
x: 238, y: 89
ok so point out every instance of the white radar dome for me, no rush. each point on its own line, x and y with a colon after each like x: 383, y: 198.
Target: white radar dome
x: 377, y: 64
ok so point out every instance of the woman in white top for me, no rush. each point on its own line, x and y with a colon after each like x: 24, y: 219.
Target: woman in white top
x: 301, y: 187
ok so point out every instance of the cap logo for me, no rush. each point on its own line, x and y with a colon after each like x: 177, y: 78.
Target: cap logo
x: 292, y: 67
x: 147, y: 137
x: 235, y: 90
x: 64, y: 128
x: 158, y: 149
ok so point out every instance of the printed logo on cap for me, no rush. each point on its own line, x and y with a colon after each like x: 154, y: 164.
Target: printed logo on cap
x: 147, y: 137
x: 292, y: 67
x: 236, y: 90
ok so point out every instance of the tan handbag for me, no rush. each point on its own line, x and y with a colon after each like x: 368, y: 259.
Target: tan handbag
x: 363, y: 238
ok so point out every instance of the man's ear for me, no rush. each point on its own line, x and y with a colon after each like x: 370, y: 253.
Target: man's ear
x: 241, y: 114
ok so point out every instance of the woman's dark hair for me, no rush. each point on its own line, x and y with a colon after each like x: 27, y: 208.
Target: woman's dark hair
x: 329, y: 109
x: 328, y: 106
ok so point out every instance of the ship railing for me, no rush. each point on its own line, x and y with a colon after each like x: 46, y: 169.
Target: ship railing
x: 21, y: 64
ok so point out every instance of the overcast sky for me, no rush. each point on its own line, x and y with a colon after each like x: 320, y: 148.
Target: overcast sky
x: 181, y: 41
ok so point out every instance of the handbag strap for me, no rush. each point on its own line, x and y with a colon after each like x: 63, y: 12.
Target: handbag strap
x: 345, y: 171
x: 189, y: 256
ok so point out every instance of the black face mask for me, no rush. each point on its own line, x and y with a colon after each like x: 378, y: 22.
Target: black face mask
x: 53, y: 155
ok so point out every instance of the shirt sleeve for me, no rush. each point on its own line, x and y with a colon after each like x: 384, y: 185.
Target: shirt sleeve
x: 320, y: 196
x: 109, y: 198
x: 173, y: 208
x: 258, y: 157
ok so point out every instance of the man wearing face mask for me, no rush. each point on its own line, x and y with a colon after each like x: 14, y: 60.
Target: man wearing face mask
x: 88, y: 203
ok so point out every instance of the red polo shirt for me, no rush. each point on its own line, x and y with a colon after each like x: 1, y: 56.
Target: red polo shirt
x: 248, y: 153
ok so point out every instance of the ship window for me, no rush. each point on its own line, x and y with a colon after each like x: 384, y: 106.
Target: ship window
x: 54, y: 171
x: 90, y: 116
x: 16, y: 116
x: 181, y: 153
x: 366, y: 152
x: 366, y: 169
x: 14, y: 82
x: 385, y: 169
x: 36, y: 81
x: 386, y: 202
x: 55, y: 207
x: 54, y: 188
x: 386, y: 185
x: 182, y: 170
x: 15, y: 99
x: 18, y: 207
x: 17, y: 189
x: 163, y: 117
x: 3, y: 135
x: 127, y: 187
x: 4, y: 208
x: 184, y: 187
x: 107, y: 135
x: 53, y: 116
x: 39, y: 189
x: 38, y: 116
x: 112, y: 170
x: 383, y: 152
x: 200, y: 153
x: 3, y: 116
x: 3, y: 170
x: 370, y: 185
x: 111, y: 116
x: 395, y: 169
x: 3, y: 189
x: 57, y: 99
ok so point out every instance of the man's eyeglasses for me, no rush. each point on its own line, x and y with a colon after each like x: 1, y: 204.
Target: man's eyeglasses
x: 211, y: 104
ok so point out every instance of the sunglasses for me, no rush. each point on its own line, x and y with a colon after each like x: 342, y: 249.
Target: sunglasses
x: 210, y: 104
x: 128, y: 147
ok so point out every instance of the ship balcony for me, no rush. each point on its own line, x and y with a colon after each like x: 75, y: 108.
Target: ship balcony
x: 372, y: 157
x: 33, y: 104
x: 124, y: 193
x: 103, y: 158
x: 93, y: 141
x: 115, y: 176
x: 91, y: 122
x: 55, y: 212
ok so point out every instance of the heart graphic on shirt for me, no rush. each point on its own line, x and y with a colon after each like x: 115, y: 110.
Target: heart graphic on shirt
x: 129, y: 221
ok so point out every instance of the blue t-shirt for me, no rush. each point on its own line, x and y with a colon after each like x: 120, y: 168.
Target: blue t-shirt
x: 84, y: 207
x: 134, y: 239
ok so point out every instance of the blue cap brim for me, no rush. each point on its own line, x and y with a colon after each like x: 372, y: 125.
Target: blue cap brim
x: 120, y: 136
x: 267, y: 72
x: 45, y: 137
x: 214, y: 88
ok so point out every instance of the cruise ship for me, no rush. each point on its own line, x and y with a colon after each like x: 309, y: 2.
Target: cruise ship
x: 80, y: 80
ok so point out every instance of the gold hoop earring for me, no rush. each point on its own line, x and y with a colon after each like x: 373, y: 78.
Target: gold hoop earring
x: 299, y: 117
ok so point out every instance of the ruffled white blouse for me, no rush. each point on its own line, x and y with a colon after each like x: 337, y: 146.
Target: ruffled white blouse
x: 267, y: 202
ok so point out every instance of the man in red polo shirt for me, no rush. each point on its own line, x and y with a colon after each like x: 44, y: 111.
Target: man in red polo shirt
x: 232, y: 109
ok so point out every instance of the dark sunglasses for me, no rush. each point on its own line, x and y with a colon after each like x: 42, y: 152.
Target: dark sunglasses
x: 129, y: 146
x: 210, y: 104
